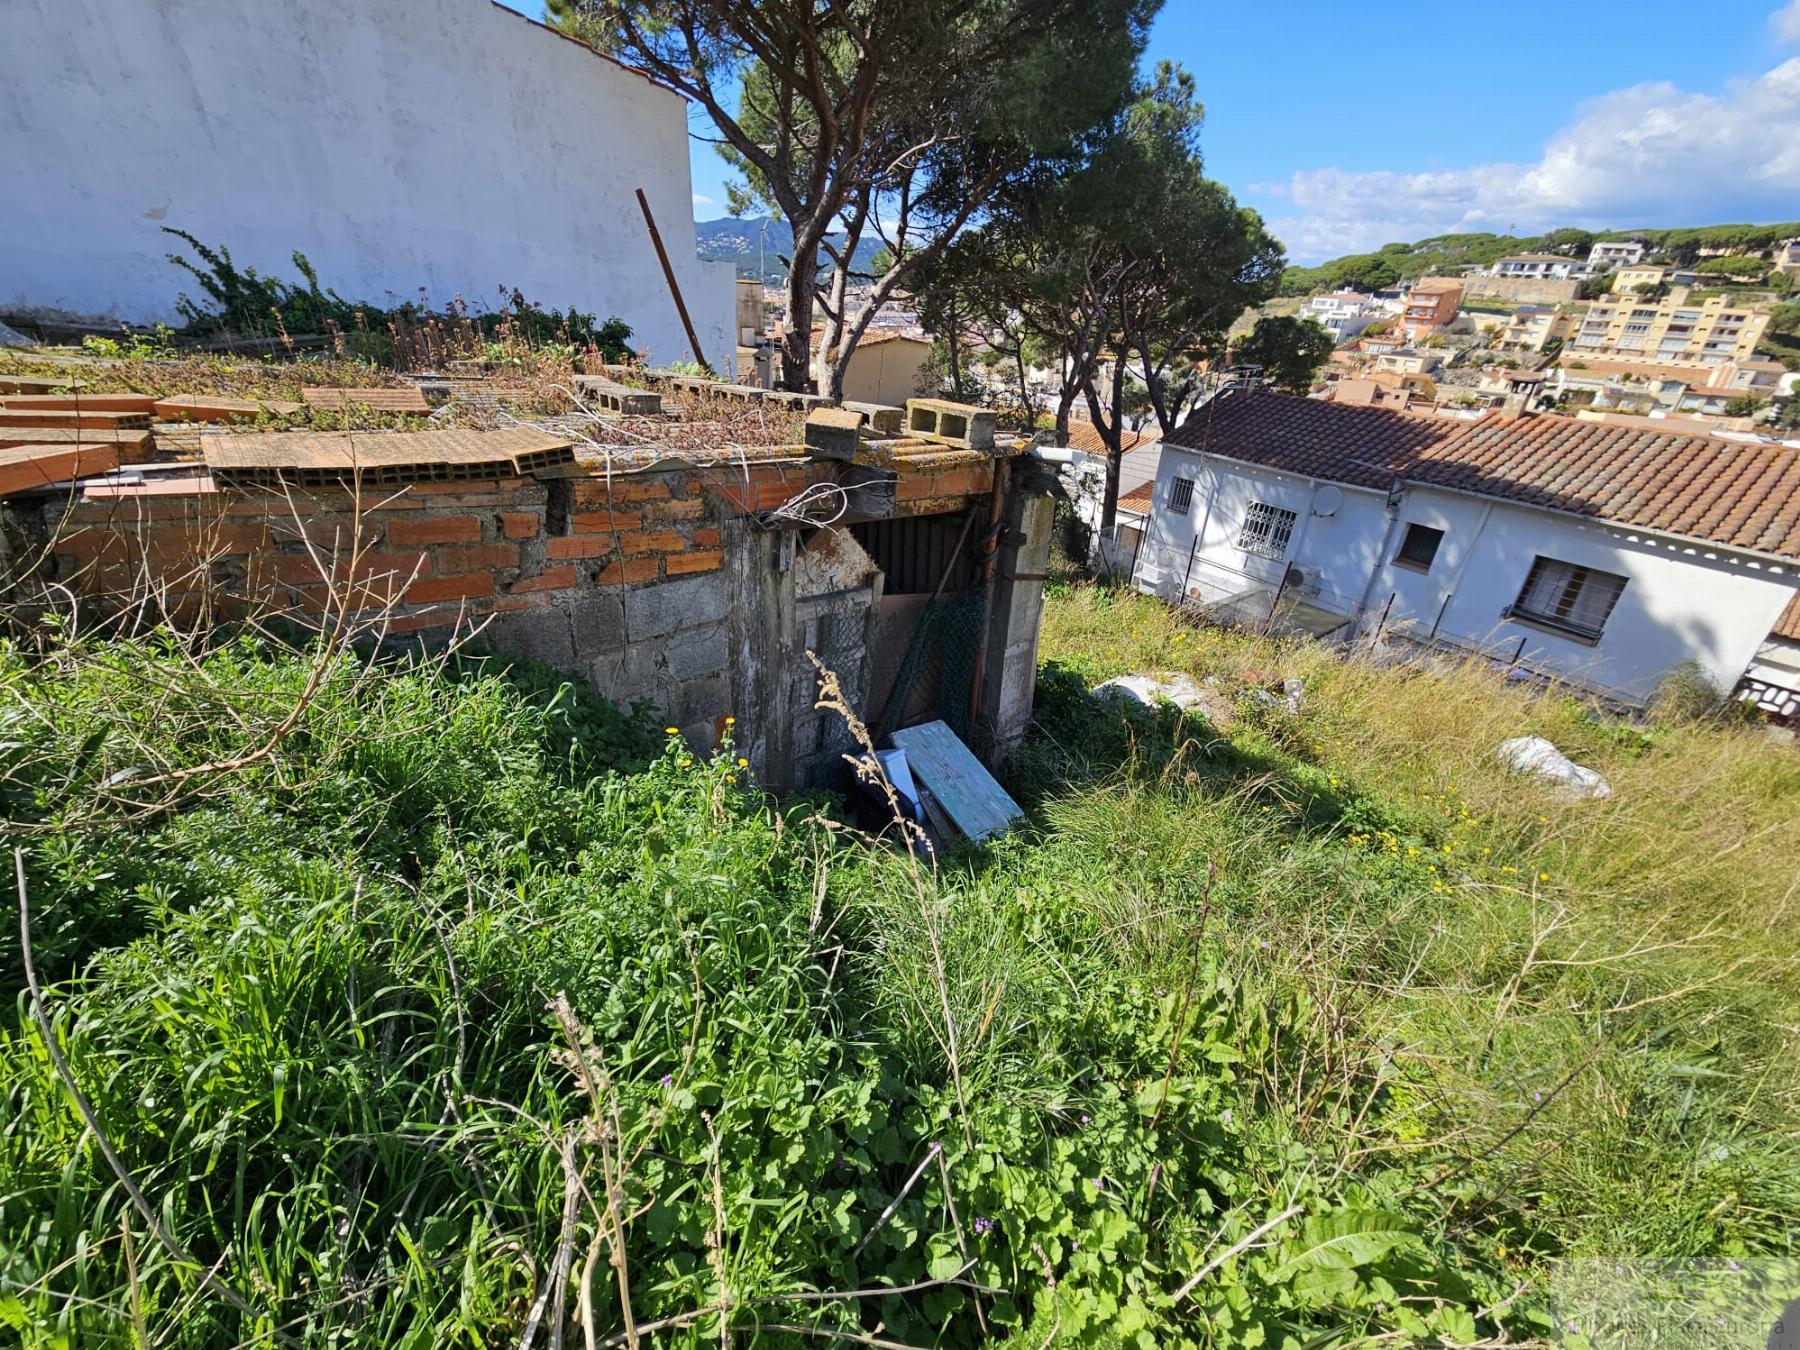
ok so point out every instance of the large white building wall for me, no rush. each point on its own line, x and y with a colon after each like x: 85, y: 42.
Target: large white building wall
x: 445, y: 146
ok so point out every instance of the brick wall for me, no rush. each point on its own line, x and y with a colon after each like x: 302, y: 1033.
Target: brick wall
x: 654, y: 585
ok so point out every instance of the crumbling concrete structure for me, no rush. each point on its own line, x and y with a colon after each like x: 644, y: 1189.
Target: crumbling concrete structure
x: 699, y: 583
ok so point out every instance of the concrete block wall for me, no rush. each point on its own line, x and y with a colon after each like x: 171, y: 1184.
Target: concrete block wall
x: 662, y: 586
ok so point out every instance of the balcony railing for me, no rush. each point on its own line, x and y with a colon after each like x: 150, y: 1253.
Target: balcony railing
x: 1776, y: 702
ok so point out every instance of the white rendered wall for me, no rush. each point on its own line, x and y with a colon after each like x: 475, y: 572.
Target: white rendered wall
x: 1681, y: 601
x: 449, y: 145
x: 1335, y: 542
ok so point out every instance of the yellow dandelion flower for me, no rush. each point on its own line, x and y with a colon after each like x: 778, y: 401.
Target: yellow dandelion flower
x: 731, y: 721
x: 686, y: 762
x: 673, y: 731
x: 743, y: 763
x: 1543, y: 876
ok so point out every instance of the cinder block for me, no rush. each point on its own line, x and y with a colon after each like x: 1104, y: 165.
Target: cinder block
x: 698, y: 652
x: 960, y: 424
x: 880, y: 418
x: 611, y: 396
x: 138, y: 403
x: 834, y: 433
x: 34, y: 466
x: 688, y: 603
x: 78, y: 419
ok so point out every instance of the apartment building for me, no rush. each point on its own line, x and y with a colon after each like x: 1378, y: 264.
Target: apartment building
x: 1669, y: 333
x: 1628, y: 279
x: 1430, y: 305
x: 1532, y: 327
x: 1610, y: 253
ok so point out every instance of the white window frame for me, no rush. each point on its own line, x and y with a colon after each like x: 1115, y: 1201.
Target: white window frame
x: 1267, y: 531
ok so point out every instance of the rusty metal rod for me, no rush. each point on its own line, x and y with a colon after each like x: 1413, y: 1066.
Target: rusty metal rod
x: 662, y: 256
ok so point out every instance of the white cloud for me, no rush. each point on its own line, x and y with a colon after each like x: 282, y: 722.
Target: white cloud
x: 700, y: 199
x: 1786, y: 22
x: 1649, y: 155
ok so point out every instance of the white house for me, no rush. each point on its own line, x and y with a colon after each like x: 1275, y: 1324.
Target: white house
x: 1140, y: 452
x: 1610, y: 253
x: 1344, y: 313
x: 1538, y: 266
x: 453, y: 146
x: 1602, y: 554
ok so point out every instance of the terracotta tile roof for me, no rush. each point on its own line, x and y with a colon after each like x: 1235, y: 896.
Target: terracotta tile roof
x: 1138, y: 499
x: 1340, y: 441
x: 1085, y: 436
x: 1736, y: 493
x: 1788, y: 625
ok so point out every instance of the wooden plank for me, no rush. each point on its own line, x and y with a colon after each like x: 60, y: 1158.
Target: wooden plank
x: 966, y: 791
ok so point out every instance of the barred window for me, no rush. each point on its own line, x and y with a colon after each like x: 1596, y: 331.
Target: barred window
x: 1267, y: 530
x: 1181, y: 495
x: 1563, y: 595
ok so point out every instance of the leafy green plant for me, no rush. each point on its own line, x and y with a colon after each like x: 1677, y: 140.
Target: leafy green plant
x: 156, y: 345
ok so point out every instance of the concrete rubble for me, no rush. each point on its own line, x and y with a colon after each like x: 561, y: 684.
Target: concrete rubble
x: 1537, y: 756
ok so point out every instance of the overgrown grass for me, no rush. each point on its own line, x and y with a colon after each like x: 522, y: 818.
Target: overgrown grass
x: 1330, y: 971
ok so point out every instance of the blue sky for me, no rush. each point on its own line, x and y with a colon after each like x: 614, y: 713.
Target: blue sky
x: 1352, y: 126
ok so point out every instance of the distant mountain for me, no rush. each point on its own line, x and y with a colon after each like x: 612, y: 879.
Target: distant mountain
x: 757, y: 245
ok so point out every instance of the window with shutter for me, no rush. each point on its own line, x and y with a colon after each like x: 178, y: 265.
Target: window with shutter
x: 1563, y: 595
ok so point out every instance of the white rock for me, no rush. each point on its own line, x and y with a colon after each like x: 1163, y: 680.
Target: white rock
x: 1534, y: 754
x: 1181, y: 690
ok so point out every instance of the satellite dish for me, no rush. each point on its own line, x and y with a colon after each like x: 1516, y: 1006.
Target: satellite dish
x: 1327, y: 500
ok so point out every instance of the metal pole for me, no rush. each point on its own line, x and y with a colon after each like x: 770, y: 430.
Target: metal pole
x: 1440, y: 614
x: 1381, y: 623
x: 1269, y: 623
x: 662, y: 256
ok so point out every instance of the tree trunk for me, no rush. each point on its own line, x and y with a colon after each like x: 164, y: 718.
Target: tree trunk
x: 796, y: 337
x: 953, y: 346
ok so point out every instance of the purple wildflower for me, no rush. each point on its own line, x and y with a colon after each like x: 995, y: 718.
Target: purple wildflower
x: 983, y: 1225
x: 1087, y: 1120
x: 668, y: 1080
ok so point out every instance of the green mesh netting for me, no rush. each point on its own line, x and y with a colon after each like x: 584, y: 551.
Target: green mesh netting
x: 949, y: 634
